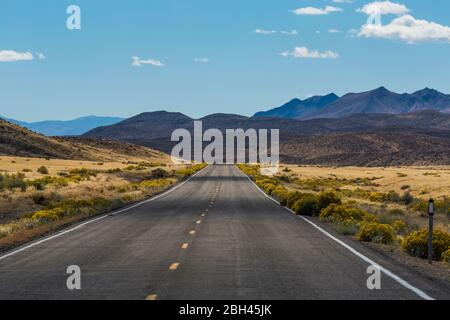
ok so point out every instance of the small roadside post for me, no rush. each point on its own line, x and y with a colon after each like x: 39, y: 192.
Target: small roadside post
x: 430, y: 231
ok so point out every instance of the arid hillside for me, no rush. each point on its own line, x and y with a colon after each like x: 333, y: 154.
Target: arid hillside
x: 21, y: 142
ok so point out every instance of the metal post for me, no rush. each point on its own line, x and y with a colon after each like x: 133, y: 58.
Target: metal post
x: 430, y: 231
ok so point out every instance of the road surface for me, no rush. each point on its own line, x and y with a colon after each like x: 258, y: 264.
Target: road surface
x: 215, y: 237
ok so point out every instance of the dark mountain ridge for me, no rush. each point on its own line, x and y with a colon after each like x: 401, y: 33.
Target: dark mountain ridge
x: 380, y: 100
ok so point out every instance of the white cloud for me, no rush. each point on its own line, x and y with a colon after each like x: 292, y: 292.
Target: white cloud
x: 342, y: 1
x: 313, y: 11
x: 269, y: 32
x: 265, y: 32
x: 305, y: 53
x: 289, y: 33
x: 333, y: 31
x: 137, y: 62
x: 14, y: 56
x: 408, y: 29
x: 384, y: 7
x: 202, y: 60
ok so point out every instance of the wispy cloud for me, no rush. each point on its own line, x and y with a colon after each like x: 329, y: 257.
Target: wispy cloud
x: 265, y: 32
x: 313, y: 11
x: 289, y: 33
x: 333, y: 31
x: 40, y: 56
x: 305, y: 53
x: 14, y: 56
x: 202, y: 60
x: 138, y: 62
x: 270, y: 32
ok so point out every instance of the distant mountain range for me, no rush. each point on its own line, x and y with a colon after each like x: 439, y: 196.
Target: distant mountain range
x: 418, y: 138
x: 374, y: 128
x: 378, y: 101
x: 67, y: 128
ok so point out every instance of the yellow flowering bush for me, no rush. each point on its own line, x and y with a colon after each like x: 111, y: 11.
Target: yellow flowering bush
x: 416, y: 244
x: 376, y: 232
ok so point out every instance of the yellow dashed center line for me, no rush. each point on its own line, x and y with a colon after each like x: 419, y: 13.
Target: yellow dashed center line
x: 199, y: 221
x: 192, y: 232
x: 174, y: 266
x: 185, y: 246
x: 152, y: 297
x: 203, y: 215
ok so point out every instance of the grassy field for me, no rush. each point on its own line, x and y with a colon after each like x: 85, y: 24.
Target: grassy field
x: 29, y: 166
x: 423, y: 182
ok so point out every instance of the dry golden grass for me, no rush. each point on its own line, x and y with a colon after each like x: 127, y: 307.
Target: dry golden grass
x: 425, y: 182
x: 29, y: 166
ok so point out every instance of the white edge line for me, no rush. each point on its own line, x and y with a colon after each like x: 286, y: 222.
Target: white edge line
x: 97, y: 219
x: 391, y: 275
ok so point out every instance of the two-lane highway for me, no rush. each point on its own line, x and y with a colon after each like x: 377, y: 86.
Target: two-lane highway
x: 215, y: 237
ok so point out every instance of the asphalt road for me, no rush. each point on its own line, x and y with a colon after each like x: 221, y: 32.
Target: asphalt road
x: 215, y: 237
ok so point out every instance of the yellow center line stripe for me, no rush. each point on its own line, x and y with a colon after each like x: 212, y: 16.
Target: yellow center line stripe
x: 174, y: 266
x: 185, y: 246
x: 192, y: 232
x: 152, y: 297
x: 199, y: 221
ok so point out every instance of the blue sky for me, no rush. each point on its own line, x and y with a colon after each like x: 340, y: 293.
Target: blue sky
x: 202, y: 56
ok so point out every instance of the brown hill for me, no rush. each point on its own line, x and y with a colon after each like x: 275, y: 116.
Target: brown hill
x: 18, y: 141
x: 392, y: 147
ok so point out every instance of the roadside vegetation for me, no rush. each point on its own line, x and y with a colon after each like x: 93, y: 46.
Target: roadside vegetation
x: 33, y: 205
x: 357, y: 208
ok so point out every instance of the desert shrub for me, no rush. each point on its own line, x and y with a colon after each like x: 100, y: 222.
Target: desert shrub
x: 446, y: 256
x: 153, y: 184
x: 376, y: 232
x: 416, y: 244
x: 159, y: 174
x: 407, y: 198
x: 12, y: 181
x: 82, y: 174
x: 348, y: 228
x: 397, y: 212
x: 27, y: 170
x: 49, y: 215
x: 281, y: 194
x: 42, y: 170
x: 39, y: 198
x: 307, y: 205
x: 342, y: 213
x: 400, y: 227
x: 326, y: 198
x: 191, y: 170
x: 116, y: 170
x: 292, y: 198
x: 268, y: 185
x: 405, y: 187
